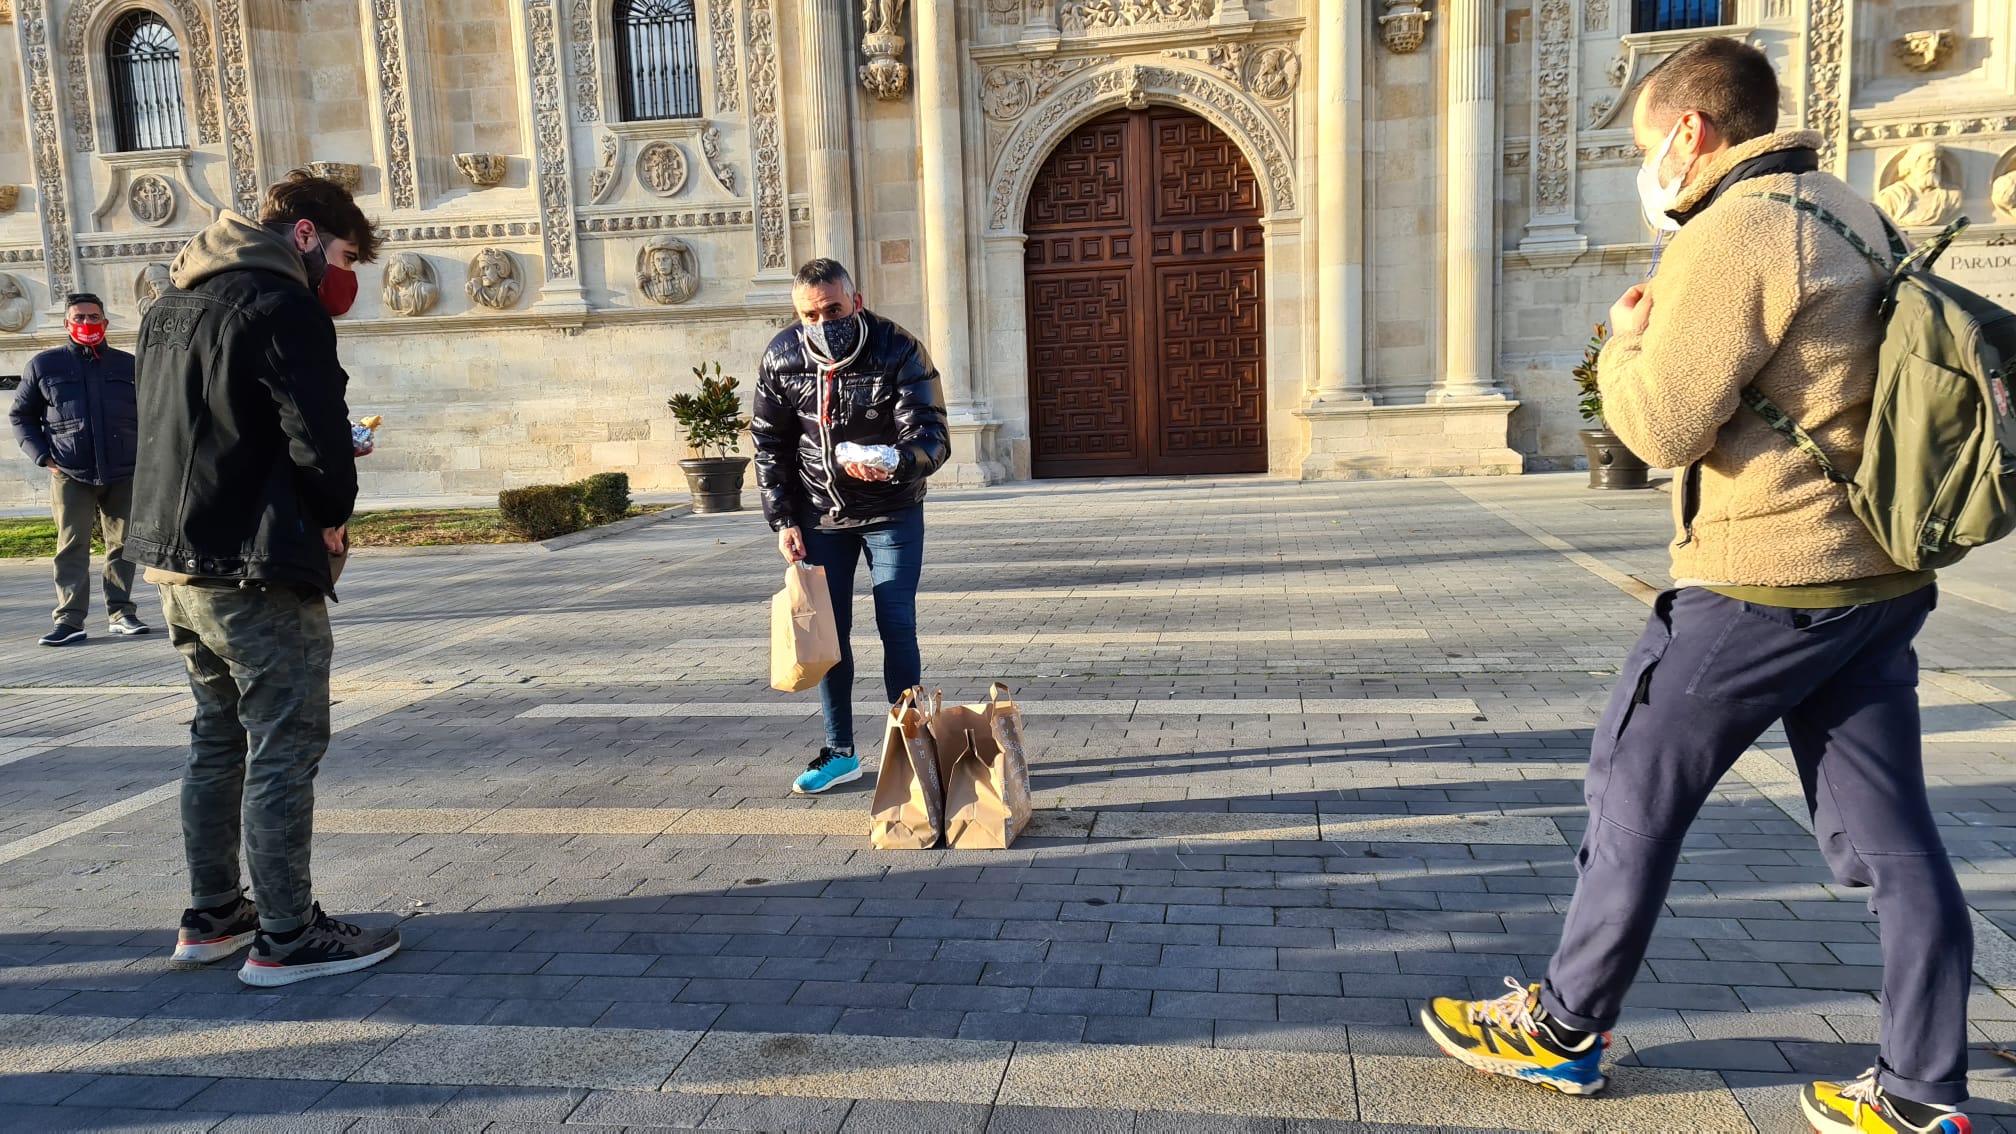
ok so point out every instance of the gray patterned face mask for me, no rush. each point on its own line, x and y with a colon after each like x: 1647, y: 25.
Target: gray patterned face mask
x: 834, y: 340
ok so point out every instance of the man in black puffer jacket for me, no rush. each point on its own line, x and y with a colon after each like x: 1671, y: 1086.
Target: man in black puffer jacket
x: 844, y: 375
x: 247, y: 477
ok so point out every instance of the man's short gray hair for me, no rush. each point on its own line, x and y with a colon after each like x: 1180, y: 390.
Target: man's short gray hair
x: 823, y: 271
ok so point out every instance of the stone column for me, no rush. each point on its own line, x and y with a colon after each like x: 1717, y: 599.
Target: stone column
x: 1340, y: 206
x: 544, y: 106
x: 942, y: 201
x: 1552, y: 235
x: 1469, y: 344
x: 823, y: 32
x: 48, y: 155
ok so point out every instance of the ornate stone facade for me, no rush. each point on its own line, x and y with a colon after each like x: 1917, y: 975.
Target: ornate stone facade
x: 1394, y: 329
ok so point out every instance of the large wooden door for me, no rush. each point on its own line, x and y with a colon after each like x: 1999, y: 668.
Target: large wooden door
x: 1147, y: 336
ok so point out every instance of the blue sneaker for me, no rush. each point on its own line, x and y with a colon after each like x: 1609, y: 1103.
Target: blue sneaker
x: 831, y: 769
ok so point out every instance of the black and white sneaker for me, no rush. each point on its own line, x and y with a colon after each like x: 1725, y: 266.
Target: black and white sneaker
x: 126, y: 626
x: 323, y: 947
x: 214, y: 934
x: 63, y: 636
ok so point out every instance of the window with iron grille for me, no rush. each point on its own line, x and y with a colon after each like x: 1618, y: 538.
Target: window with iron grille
x: 1675, y: 15
x: 658, y: 55
x: 146, y: 65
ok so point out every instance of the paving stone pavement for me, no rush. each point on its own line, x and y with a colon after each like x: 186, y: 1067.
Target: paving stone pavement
x: 1303, y: 754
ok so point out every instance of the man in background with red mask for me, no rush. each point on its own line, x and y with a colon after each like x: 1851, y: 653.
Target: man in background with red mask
x: 74, y: 415
x: 247, y: 476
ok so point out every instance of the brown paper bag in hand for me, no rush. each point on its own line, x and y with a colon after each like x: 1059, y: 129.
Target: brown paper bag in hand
x: 987, y: 800
x: 908, y: 812
x: 804, y: 639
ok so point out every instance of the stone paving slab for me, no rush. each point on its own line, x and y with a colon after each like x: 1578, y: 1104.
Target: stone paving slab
x: 892, y: 1068
x: 1657, y: 1101
x: 611, y: 1058
x: 1321, y: 832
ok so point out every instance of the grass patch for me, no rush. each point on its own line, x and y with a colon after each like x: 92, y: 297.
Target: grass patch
x: 420, y: 527
x: 36, y: 536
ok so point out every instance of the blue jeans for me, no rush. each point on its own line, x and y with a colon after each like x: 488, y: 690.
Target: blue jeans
x: 895, y: 560
x: 1707, y: 678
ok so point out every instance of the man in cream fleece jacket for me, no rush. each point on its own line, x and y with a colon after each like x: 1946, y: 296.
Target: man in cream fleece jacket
x: 1784, y: 608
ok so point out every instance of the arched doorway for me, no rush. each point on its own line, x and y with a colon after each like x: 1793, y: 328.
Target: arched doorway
x: 1147, y: 326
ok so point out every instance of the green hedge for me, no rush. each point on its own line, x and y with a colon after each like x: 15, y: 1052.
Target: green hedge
x: 542, y: 511
x: 605, y: 498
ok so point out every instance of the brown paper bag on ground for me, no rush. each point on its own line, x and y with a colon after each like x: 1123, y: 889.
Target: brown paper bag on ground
x: 908, y: 812
x: 804, y: 639
x: 987, y: 800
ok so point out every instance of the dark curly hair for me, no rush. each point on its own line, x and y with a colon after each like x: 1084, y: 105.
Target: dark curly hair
x: 303, y: 196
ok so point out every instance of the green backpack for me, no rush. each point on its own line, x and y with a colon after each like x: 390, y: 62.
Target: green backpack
x: 1938, y: 472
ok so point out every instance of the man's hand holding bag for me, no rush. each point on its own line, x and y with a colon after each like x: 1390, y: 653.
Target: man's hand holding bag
x: 804, y: 639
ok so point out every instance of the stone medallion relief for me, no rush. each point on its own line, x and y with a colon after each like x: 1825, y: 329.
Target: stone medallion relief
x: 16, y: 309
x: 494, y: 280
x: 667, y: 270
x: 410, y: 285
x: 1921, y: 189
x: 152, y: 283
x: 2002, y: 190
x: 151, y: 200
x: 661, y: 168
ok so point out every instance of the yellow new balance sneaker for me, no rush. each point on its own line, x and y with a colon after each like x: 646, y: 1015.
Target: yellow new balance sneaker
x: 1865, y: 1107
x: 1512, y: 1036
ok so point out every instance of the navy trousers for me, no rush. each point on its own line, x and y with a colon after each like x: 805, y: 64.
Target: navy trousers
x: 1707, y: 678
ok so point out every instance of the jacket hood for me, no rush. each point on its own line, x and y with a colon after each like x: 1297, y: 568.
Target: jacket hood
x: 235, y: 243
x: 1727, y: 161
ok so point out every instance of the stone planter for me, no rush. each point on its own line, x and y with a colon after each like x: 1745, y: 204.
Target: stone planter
x: 1611, y: 465
x: 715, y: 482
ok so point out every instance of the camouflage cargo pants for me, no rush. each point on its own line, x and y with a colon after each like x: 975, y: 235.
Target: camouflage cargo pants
x: 258, y: 660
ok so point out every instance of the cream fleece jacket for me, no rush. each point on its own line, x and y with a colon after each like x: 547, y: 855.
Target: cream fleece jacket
x: 1753, y: 290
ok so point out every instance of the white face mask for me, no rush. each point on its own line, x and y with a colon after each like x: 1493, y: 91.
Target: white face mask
x: 1658, y: 198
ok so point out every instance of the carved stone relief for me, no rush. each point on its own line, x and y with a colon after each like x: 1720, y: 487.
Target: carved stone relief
x: 151, y: 284
x: 10, y: 196
x: 661, y: 168
x: 1595, y: 16
x: 494, y: 281
x: 1274, y: 73
x: 586, y: 56
x: 773, y: 226
x: 1404, y: 27
x: 410, y: 285
x: 727, y: 76
x: 1231, y: 109
x: 1005, y: 13
x: 151, y: 200
x: 1925, y: 50
x: 197, y: 56
x: 389, y: 36
x: 653, y: 222
x: 1009, y: 91
x: 239, y: 131
x: 483, y: 170
x: 1101, y: 15
x: 1952, y: 127
x: 600, y: 182
x: 2002, y: 191
x: 16, y: 309
x: 1554, y: 106
x: 885, y: 74
x: 50, y: 191
x: 549, y: 132
x: 1826, y: 63
x: 667, y: 270
x: 347, y: 174
x: 710, y: 145
x: 6, y: 12
x: 1919, y: 190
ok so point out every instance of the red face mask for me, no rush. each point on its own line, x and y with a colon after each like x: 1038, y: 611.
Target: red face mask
x: 338, y: 290
x: 87, y: 334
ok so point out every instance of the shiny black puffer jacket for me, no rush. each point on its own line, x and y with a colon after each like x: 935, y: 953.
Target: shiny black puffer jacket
x: 889, y: 395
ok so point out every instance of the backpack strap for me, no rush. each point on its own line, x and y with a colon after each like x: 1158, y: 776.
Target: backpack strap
x: 1782, y: 422
x: 1820, y: 214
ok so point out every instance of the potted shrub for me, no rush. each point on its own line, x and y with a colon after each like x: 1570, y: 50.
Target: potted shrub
x: 712, y: 420
x: 1611, y: 465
